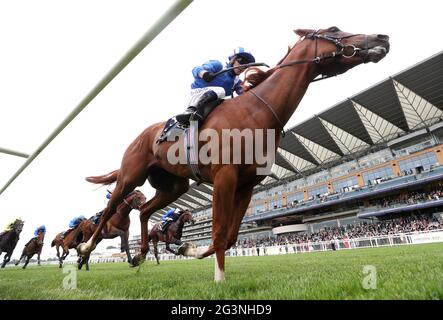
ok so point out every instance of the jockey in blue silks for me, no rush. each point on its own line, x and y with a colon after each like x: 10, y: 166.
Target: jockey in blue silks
x: 210, y: 84
x: 41, y: 229
x: 168, y: 217
x: 73, y: 224
x: 76, y: 221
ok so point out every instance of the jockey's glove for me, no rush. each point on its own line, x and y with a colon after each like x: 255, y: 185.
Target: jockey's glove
x: 208, y: 76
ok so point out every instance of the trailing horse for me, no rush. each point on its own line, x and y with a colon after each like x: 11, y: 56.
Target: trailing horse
x: 9, y: 239
x: 270, y: 101
x: 70, y: 240
x: 117, y: 226
x: 172, y: 235
x: 34, y: 246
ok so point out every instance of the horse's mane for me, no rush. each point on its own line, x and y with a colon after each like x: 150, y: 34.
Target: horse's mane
x: 254, y: 76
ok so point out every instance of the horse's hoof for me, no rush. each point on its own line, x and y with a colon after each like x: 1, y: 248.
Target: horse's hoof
x: 83, y: 249
x: 187, y: 249
x: 137, y: 260
x: 183, y: 248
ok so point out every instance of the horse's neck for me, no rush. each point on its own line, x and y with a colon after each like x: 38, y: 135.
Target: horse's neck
x: 180, y: 222
x: 285, y: 88
x: 124, y: 209
x: 10, y: 236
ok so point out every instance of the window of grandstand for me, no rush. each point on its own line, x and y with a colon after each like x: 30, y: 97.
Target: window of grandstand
x: 258, y: 208
x: 275, y: 203
x: 294, y: 198
x: 376, y: 158
x: 345, y: 185
x: 343, y: 169
x: 318, y: 177
x: 414, y: 147
x: 424, y: 161
x: 377, y: 175
x: 319, y: 191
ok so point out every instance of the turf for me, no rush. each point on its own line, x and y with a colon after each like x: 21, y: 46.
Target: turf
x: 404, y: 272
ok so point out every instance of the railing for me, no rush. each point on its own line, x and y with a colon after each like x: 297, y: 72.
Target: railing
x: 296, y: 248
x: 343, y: 244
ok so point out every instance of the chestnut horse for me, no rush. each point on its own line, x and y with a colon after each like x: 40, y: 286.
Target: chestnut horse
x: 9, y: 239
x: 34, y: 246
x: 117, y: 226
x: 270, y: 101
x: 71, y: 240
x: 173, y: 233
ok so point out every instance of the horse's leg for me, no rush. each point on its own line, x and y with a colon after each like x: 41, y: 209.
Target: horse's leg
x: 225, y: 184
x: 60, y: 261
x: 242, y: 200
x: 124, y: 237
x: 6, y: 259
x: 168, y: 248
x: 173, y: 188
x: 155, y: 251
x: 19, y: 260
x: 27, y: 261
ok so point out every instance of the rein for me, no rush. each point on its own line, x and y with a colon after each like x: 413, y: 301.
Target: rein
x: 342, y: 51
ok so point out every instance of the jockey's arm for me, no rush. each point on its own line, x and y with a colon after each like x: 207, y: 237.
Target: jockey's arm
x: 210, y: 66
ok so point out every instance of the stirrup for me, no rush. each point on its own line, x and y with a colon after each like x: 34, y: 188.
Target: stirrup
x: 183, y: 118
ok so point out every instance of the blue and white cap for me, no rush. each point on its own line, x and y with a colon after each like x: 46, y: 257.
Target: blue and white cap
x: 242, y: 52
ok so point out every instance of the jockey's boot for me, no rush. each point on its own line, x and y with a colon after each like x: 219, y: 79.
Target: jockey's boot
x: 204, y: 107
x: 183, y: 118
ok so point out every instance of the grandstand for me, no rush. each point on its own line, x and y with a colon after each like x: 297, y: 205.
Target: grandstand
x: 376, y: 155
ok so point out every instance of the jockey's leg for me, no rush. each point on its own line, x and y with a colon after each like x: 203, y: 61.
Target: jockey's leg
x: 199, y: 98
x: 204, y: 108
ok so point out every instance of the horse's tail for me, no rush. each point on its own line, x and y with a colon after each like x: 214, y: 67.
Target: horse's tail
x: 104, y: 179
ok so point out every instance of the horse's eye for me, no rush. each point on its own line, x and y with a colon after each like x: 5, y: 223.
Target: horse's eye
x: 333, y: 29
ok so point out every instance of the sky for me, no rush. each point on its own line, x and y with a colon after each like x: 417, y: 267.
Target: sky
x: 54, y: 52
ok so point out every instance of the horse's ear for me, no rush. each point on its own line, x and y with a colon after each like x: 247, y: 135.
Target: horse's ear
x: 303, y: 32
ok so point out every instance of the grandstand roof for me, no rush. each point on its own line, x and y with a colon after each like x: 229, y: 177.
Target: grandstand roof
x: 403, y: 103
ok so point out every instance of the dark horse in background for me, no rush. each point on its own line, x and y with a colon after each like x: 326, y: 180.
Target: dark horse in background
x: 270, y: 99
x: 9, y: 239
x: 71, y: 240
x: 117, y: 226
x: 34, y: 246
x: 172, y: 234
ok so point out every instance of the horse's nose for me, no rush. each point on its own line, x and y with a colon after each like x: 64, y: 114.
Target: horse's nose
x: 383, y: 37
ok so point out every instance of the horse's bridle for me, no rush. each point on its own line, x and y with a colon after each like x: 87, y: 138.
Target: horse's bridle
x: 342, y: 51
x: 345, y: 51
x: 130, y: 204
